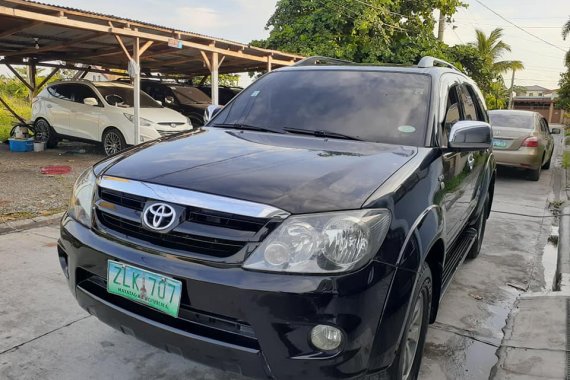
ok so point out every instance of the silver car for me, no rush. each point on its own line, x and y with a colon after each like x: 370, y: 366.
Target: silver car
x: 522, y: 139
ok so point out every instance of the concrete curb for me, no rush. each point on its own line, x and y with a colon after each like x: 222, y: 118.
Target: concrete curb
x: 564, y: 250
x: 26, y: 224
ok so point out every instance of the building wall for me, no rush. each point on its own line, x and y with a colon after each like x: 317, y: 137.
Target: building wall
x: 544, y: 110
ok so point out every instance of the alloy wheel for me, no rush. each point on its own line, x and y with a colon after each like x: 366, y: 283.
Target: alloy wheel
x: 112, y: 143
x: 413, y: 337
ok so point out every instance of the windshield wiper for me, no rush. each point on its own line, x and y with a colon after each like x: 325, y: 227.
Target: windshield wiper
x: 246, y: 127
x: 321, y: 133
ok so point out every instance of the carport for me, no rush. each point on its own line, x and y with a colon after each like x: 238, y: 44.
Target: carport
x: 41, y: 35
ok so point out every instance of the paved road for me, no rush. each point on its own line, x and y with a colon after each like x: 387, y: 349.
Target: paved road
x: 44, y: 334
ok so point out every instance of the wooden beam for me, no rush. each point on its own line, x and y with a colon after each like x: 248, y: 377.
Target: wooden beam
x: 21, y: 119
x: 206, y: 60
x: 221, y: 61
x: 48, y: 77
x: 66, y: 44
x: 120, y: 41
x: 123, y: 32
x: 12, y: 31
x: 25, y: 82
x: 144, y: 47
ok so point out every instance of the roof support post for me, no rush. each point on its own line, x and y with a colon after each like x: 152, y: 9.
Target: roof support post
x: 32, y: 79
x: 17, y: 74
x: 269, y: 63
x: 137, y: 88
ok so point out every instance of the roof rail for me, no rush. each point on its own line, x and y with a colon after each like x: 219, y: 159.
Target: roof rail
x: 318, y: 60
x: 432, y: 62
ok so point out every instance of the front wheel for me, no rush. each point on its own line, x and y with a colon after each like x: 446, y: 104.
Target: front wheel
x: 409, y: 358
x: 45, y: 132
x: 113, y: 141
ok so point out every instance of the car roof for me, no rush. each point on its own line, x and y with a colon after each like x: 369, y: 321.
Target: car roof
x: 412, y: 69
x: 93, y: 83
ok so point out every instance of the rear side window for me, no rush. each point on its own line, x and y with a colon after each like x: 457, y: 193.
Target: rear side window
x: 60, y: 91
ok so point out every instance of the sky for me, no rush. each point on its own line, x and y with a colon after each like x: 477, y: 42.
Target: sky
x: 244, y: 20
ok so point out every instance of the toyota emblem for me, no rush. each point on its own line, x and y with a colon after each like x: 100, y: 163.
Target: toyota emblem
x: 159, y: 216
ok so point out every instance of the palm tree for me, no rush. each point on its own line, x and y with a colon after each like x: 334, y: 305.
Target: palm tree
x: 492, y: 48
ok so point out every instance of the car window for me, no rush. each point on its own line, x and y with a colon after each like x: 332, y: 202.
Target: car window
x: 60, y: 91
x: 78, y: 93
x: 478, y: 103
x: 544, y: 127
x: 377, y: 106
x: 512, y: 119
x: 123, y: 96
x: 452, y: 111
x: 469, y: 108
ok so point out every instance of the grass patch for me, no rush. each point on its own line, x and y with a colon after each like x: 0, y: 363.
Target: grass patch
x: 7, y: 120
x: 566, y: 159
x: 19, y: 215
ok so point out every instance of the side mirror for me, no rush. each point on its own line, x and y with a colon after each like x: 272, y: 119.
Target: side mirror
x: 470, y: 135
x: 169, y: 100
x: 90, y: 102
x: 555, y: 131
x: 210, y: 112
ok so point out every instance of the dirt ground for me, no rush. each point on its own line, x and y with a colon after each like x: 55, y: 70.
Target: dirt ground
x: 26, y: 193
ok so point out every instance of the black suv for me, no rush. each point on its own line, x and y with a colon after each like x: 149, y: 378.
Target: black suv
x: 308, y: 231
x: 188, y: 100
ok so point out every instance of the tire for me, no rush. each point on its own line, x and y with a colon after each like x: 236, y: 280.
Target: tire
x: 47, y: 133
x: 534, y: 175
x: 479, y: 225
x: 413, y: 339
x: 546, y: 165
x: 113, y: 141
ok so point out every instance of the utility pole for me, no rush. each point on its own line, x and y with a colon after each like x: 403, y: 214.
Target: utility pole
x: 511, y: 91
x: 441, y: 25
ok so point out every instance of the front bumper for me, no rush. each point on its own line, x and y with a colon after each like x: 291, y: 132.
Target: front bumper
x: 252, y: 323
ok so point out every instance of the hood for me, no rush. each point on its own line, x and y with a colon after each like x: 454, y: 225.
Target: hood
x: 159, y: 115
x: 296, y: 173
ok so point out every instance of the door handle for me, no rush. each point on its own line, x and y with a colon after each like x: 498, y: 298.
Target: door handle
x: 471, y: 161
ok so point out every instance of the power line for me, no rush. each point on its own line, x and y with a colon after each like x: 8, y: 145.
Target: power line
x: 518, y: 27
x: 380, y: 9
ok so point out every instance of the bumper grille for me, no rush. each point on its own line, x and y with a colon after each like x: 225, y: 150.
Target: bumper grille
x: 204, y: 232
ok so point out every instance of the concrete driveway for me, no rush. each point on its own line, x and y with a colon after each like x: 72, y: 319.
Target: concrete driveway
x: 44, y: 334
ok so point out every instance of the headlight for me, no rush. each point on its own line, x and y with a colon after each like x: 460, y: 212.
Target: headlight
x: 82, y: 198
x: 322, y: 243
x: 143, y: 122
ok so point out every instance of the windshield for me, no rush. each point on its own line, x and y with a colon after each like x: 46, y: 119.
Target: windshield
x: 190, y: 95
x: 368, y: 105
x: 122, y: 96
x: 512, y: 120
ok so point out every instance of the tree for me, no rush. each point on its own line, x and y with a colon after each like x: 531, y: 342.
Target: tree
x: 492, y: 48
x: 369, y: 31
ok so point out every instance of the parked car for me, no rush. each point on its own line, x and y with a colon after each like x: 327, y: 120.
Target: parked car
x: 225, y: 93
x: 522, y: 139
x: 101, y: 112
x: 188, y: 100
x: 309, y: 231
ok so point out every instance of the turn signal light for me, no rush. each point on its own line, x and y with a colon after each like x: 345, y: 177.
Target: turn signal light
x: 530, y: 142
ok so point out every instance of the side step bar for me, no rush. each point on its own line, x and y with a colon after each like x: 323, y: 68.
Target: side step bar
x: 456, y: 255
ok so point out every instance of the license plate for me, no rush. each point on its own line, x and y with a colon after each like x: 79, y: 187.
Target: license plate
x: 151, y: 289
x: 499, y: 143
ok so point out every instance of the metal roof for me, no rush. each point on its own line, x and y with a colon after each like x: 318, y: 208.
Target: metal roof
x: 47, y: 33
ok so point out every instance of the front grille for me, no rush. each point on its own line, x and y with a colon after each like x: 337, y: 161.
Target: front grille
x: 204, y: 232
x: 190, y: 320
x: 172, y: 240
x: 172, y: 123
x: 167, y: 133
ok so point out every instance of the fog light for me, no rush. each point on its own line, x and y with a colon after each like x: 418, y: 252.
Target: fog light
x: 326, y: 338
x: 276, y: 254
